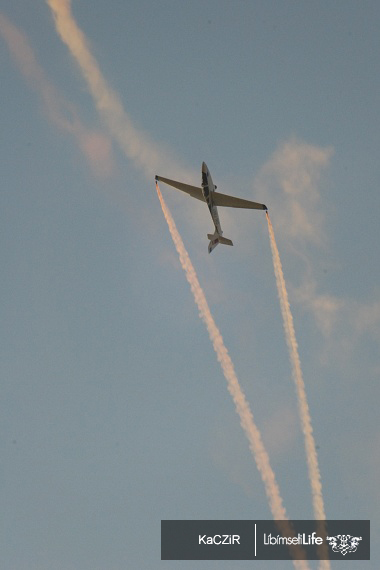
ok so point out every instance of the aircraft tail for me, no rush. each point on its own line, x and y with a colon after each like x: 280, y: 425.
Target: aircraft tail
x: 215, y: 239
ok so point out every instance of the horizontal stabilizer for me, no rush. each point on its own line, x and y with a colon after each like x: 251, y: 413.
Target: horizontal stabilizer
x: 220, y: 239
x: 225, y: 241
x: 215, y: 239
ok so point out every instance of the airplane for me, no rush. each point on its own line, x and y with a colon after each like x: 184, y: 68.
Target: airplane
x: 213, y: 199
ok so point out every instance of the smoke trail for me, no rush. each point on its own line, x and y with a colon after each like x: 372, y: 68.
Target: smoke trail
x: 297, y: 375
x: 242, y: 407
x: 311, y: 452
x: 94, y: 145
x: 145, y: 153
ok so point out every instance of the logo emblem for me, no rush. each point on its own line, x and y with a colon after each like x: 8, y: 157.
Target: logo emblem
x: 344, y: 543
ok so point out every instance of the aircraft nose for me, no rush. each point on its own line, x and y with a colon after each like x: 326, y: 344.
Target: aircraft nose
x: 204, y: 167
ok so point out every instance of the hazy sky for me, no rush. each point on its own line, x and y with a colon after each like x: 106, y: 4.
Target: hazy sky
x: 115, y: 413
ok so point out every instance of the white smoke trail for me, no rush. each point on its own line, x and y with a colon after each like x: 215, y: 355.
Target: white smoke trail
x: 303, y: 407
x: 94, y: 144
x: 252, y: 432
x: 145, y: 153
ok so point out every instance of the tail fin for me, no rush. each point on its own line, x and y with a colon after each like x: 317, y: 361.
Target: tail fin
x: 215, y: 239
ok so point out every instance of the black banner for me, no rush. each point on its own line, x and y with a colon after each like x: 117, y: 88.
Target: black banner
x: 265, y: 540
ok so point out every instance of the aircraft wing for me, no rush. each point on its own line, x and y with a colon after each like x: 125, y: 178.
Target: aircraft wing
x: 232, y: 202
x: 193, y: 191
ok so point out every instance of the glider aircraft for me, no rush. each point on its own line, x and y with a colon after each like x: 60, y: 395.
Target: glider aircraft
x: 213, y: 199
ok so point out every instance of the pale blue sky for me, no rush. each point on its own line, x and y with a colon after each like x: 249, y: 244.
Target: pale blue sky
x: 114, y: 410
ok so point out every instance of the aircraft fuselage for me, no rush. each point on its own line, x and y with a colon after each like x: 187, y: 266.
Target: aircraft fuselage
x: 208, y: 188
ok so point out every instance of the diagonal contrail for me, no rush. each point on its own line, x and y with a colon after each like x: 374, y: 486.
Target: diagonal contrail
x: 94, y: 145
x: 303, y: 407
x: 146, y: 154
